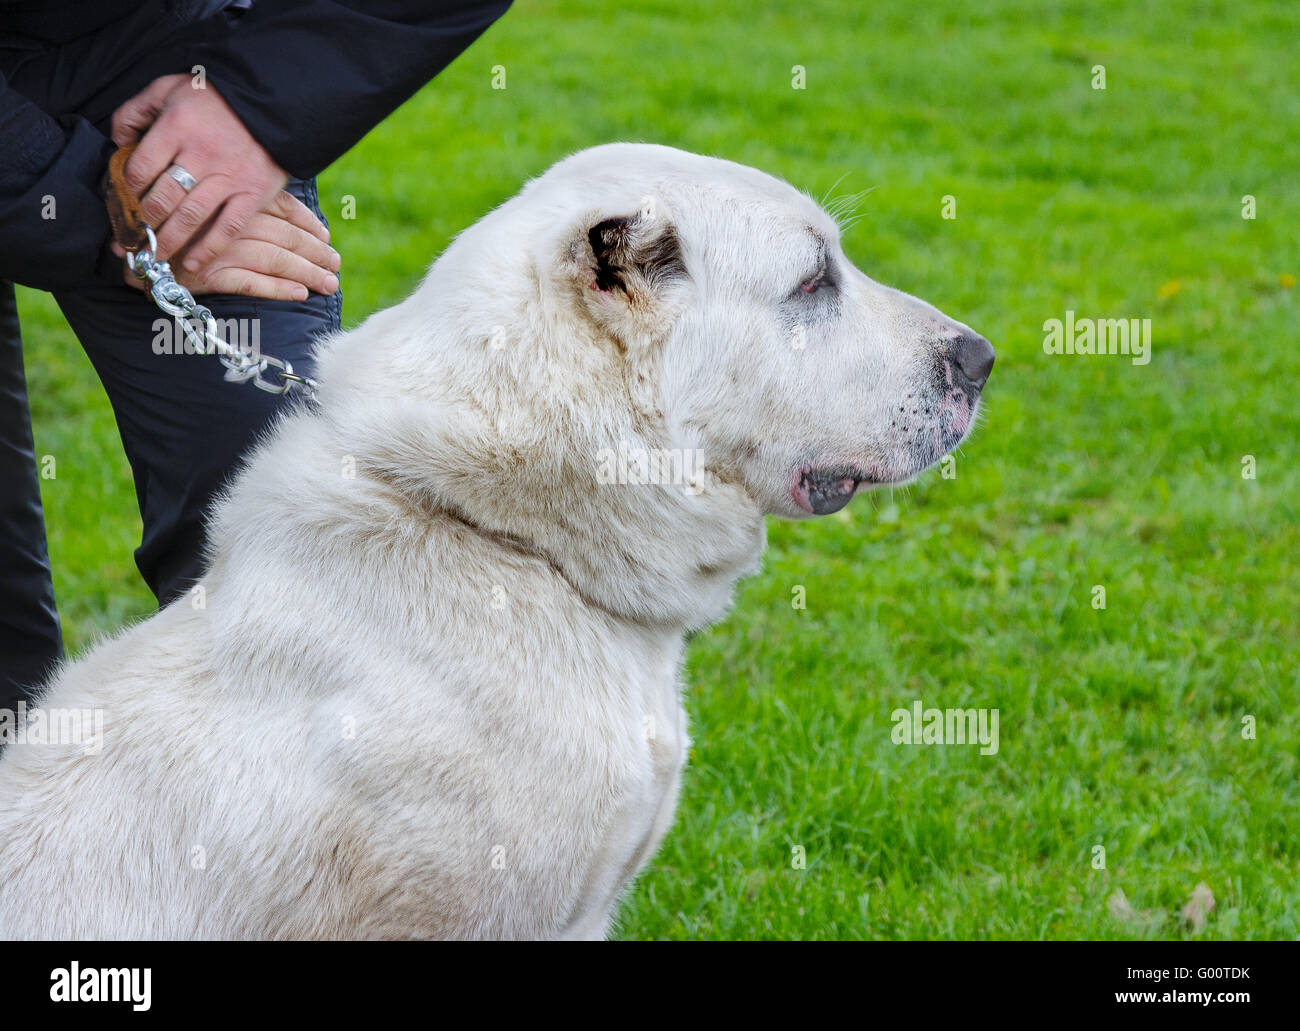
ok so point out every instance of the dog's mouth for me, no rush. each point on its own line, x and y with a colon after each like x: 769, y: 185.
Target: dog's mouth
x: 826, y: 486
x: 823, y: 491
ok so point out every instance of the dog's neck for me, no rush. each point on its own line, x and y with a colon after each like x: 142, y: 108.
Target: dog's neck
x: 660, y: 555
x: 667, y: 554
x: 512, y: 441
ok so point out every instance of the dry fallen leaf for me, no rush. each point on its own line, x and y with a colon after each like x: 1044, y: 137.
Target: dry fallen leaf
x: 1121, y: 909
x: 1119, y: 906
x: 1198, y: 907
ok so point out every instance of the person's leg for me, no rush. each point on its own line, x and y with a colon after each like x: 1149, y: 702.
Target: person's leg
x: 183, y: 426
x: 30, y: 642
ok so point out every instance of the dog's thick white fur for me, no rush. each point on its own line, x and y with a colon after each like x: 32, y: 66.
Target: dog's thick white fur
x: 430, y: 687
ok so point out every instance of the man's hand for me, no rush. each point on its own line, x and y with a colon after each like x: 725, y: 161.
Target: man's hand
x: 177, y: 124
x: 280, y: 253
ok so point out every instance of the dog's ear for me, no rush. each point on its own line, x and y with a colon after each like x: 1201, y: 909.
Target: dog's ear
x: 632, y: 251
x: 626, y: 264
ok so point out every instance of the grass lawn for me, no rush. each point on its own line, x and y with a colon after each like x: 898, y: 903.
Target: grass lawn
x: 1120, y: 727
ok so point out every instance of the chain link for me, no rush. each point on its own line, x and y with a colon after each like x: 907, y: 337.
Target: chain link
x: 179, y: 303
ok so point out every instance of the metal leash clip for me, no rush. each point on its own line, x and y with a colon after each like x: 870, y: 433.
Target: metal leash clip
x: 178, y: 302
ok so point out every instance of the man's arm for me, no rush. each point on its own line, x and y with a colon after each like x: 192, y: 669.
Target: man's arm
x: 310, y: 78
x: 54, y: 228
x: 52, y: 219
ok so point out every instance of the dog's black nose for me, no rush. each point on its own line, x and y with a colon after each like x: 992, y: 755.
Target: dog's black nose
x: 972, y: 358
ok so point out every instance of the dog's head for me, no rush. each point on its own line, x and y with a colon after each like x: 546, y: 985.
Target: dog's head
x: 629, y: 363
x: 772, y: 356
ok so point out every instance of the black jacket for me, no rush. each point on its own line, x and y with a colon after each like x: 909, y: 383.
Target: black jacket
x: 308, y: 78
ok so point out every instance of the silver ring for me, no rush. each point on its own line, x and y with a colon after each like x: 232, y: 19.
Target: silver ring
x: 187, y: 181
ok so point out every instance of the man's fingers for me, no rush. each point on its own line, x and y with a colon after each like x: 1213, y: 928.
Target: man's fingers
x: 230, y: 223
x: 164, y: 197
x: 290, y: 208
x: 273, y: 260
x: 192, y: 215
x: 287, y: 235
x: 246, y: 283
x: 132, y: 119
x: 151, y: 158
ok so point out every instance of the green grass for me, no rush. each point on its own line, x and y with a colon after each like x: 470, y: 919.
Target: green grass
x: 1120, y: 727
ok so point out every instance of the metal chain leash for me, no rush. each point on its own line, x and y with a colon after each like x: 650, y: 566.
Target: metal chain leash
x: 179, y: 303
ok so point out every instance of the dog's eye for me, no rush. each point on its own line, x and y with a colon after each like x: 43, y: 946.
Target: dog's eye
x: 814, y: 283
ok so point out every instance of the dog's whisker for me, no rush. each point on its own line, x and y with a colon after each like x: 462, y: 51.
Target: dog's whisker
x: 831, y: 190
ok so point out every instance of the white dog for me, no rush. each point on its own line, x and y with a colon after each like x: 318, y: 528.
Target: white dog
x: 430, y: 686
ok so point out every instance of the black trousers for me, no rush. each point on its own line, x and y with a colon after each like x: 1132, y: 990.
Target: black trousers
x: 183, y: 427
